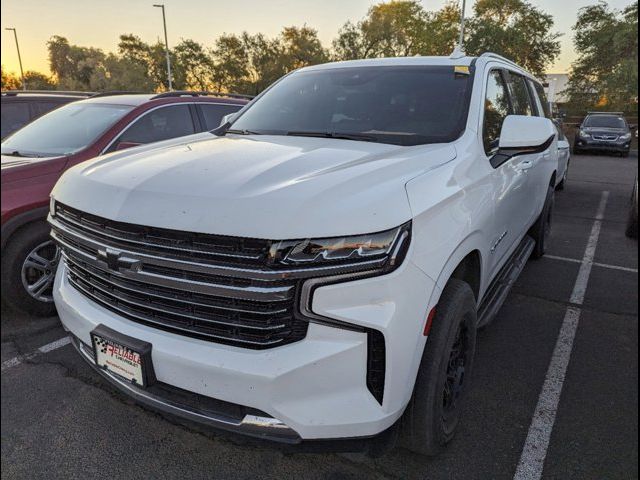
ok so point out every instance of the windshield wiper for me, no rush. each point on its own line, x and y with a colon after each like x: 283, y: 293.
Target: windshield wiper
x: 17, y: 153
x: 340, y: 135
x: 242, y: 132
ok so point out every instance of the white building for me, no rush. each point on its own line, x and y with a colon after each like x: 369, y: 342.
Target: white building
x: 556, y: 83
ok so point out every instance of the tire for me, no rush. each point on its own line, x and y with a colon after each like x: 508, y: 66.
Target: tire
x: 625, y: 155
x: 31, y: 242
x: 563, y: 182
x: 542, y: 228
x: 432, y: 415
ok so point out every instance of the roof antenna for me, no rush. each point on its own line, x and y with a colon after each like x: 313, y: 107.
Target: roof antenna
x: 458, y: 51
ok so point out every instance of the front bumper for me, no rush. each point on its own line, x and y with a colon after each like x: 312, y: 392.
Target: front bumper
x: 591, y: 144
x: 312, y: 389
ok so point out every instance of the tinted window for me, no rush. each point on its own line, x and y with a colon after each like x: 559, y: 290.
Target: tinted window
x: 14, y: 116
x: 213, y: 113
x: 496, y: 109
x: 65, y: 130
x: 44, y: 107
x: 605, y: 121
x: 546, y: 108
x: 160, y: 124
x: 397, y: 105
x: 520, y: 95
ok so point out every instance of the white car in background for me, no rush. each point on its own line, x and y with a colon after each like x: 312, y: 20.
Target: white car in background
x: 319, y: 268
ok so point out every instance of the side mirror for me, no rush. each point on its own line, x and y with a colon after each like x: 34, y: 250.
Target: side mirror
x: 125, y: 145
x: 523, y: 135
x: 228, y: 118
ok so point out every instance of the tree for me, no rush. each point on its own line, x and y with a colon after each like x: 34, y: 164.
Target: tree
x: 515, y: 29
x: 73, y: 66
x: 194, y: 65
x: 10, y: 81
x: 39, y: 81
x: 605, y: 74
x: 250, y: 63
x: 397, y: 28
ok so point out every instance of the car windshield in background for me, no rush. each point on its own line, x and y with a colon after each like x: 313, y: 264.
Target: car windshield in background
x: 605, y: 121
x: 64, y: 131
x: 410, y: 105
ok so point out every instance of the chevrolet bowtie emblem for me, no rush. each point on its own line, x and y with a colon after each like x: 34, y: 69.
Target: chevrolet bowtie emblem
x: 114, y: 259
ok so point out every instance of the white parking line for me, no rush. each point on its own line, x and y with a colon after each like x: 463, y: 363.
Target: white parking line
x: 49, y: 347
x: 536, y: 445
x: 595, y: 264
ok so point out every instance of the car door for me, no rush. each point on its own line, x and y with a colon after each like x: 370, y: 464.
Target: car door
x: 160, y: 123
x: 512, y: 202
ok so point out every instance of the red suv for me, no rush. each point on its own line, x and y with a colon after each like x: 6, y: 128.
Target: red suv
x: 34, y: 157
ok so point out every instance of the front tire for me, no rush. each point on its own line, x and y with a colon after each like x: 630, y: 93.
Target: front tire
x: 432, y: 416
x: 541, y: 230
x: 29, y: 263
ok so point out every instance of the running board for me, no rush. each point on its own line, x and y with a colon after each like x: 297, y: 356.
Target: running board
x: 499, y: 289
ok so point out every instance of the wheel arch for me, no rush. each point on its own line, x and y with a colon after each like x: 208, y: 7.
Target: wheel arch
x: 20, y: 221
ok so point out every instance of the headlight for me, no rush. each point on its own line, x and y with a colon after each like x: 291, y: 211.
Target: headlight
x: 584, y: 134
x: 52, y: 206
x: 626, y: 136
x: 380, y: 250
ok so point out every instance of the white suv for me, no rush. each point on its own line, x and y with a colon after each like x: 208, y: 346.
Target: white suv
x: 317, y: 268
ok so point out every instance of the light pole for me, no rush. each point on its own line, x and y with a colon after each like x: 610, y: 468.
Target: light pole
x: 166, y: 44
x: 15, y: 35
x: 461, y: 39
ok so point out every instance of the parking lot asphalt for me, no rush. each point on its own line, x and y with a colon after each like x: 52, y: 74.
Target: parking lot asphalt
x: 567, y: 408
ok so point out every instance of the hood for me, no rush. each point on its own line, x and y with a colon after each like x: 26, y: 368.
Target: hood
x: 21, y: 168
x: 618, y: 131
x: 255, y: 186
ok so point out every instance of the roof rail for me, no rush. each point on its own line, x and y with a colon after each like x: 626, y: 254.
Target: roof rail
x: 605, y: 113
x: 189, y: 93
x: 116, y: 92
x: 499, y: 57
x: 13, y: 93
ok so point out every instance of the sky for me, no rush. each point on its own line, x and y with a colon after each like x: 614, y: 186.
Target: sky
x: 99, y: 23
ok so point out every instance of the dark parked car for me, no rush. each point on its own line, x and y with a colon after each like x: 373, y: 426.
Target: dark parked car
x: 604, y: 131
x: 34, y: 157
x: 19, y: 107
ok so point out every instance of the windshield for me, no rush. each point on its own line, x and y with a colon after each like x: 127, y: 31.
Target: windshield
x: 399, y: 105
x: 605, y: 121
x: 64, y: 131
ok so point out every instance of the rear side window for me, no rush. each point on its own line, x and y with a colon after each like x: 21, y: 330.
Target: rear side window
x: 522, y: 104
x: 14, y: 116
x: 546, y: 108
x: 160, y: 124
x: 496, y: 109
x: 43, y: 107
x: 213, y: 113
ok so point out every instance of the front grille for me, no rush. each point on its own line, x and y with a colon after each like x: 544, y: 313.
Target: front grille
x: 216, y: 288
x: 605, y: 137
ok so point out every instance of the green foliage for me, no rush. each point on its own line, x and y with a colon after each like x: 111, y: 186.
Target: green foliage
x: 393, y: 29
x: 605, y: 74
x: 515, y: 29
x: 38, y: 81
x: 10, y: 80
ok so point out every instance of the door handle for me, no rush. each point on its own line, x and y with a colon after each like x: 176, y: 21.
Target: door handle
x: 525, y: 165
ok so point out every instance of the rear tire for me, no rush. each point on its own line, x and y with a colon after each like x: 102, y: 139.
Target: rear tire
x: 432, y: 416
x: 30, y: 260
x: 541, y: 230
